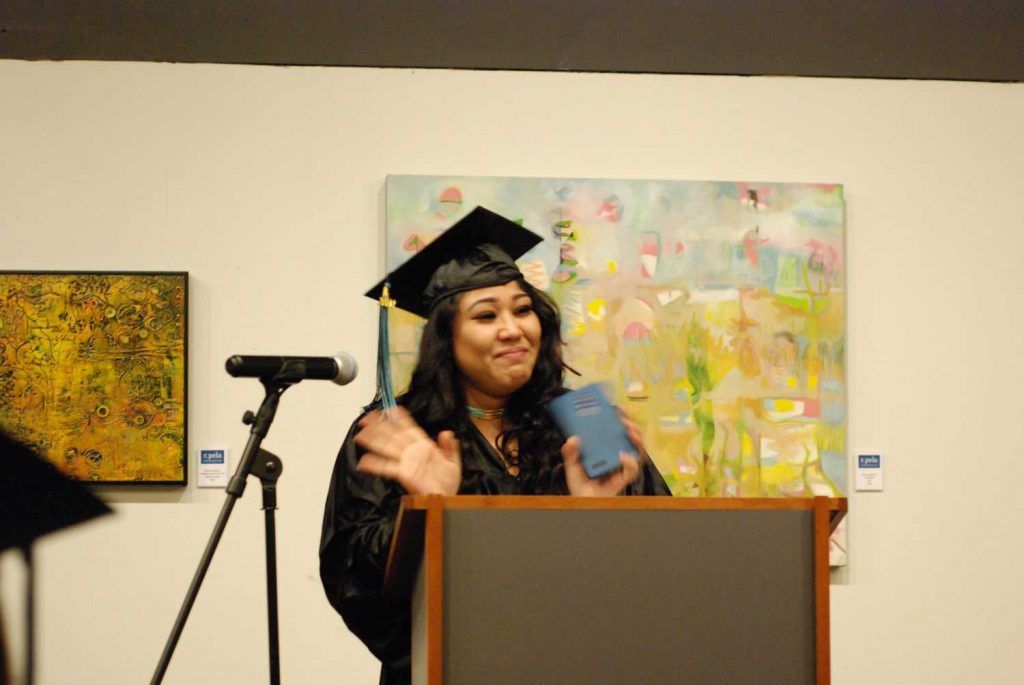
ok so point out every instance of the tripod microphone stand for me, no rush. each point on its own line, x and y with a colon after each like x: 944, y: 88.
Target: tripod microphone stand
x: 267, y: 467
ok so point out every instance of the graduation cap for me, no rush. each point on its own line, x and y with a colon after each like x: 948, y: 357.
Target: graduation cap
x: 478, y: 251
x: 35, y: 500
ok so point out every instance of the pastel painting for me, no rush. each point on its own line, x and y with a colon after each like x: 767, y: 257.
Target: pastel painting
x: 713, y: 311
x: 93, y: 369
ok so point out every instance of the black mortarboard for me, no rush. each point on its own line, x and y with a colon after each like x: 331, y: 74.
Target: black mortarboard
x: 36, y: 498
x: 478, y: 251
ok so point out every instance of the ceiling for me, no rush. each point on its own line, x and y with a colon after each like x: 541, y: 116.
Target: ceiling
x: 981, y: 40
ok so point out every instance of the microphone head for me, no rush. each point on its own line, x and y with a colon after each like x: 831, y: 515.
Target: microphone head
x: 347, y: 368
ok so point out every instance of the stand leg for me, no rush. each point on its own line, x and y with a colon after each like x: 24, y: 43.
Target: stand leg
x: 275, y: 656
x: 236, y: 487
x: 193, y: 590
x: 30, y: 617
x: 267, y: 467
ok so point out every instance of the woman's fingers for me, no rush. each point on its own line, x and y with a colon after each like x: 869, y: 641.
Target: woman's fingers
x: 633, y: 432
x: 368, y: 419
x: 607, y: 486
x: 377, y: 465
x: 449, y: 445
x: 615, y: 481
x: 398, y: 416
x: 397, y: 448
x: 372, y: 439
x: 388, y: 432
x: 571, y: 451
x: 630, y: 468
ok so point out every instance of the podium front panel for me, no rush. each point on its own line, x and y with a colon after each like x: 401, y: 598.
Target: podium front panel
x: 584, y: 597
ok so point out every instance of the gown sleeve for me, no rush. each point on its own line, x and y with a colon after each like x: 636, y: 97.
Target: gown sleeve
x: 359, y: 520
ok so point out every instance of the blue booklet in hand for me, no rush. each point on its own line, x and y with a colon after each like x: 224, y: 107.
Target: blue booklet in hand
x: 588, y: 413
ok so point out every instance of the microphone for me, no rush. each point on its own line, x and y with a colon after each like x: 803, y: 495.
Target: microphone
x: 341, y: 368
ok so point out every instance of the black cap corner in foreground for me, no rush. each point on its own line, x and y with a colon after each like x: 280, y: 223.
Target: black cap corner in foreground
x: 36, y: 499
x: 479, y: 250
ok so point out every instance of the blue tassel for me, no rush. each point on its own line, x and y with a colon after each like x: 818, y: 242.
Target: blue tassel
x: 385, y: 393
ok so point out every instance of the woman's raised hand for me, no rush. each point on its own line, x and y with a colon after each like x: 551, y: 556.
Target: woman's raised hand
x: 398, y: 449
x: 633, y: 431
x: 581, y: 485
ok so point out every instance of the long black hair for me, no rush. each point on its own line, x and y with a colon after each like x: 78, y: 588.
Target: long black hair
x: 437, y: 401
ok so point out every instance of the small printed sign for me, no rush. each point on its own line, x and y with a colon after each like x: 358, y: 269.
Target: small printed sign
x: 869, y: 471
x: 213, y: 468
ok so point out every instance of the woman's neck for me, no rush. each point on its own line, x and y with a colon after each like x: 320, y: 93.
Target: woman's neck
x: 483, y: 402
x: 486, y: 412
x: 490, y: 426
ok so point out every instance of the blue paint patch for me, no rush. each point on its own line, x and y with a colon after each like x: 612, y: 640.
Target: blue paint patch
x: 678, y: 421
x: 769, y: 265
x: 833, y: 412
x: 834, y: 466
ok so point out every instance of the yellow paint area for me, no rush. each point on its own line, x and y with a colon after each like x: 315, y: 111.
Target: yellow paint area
x: 779, y: 474
x: 784, y: 405
x: 746, y: 444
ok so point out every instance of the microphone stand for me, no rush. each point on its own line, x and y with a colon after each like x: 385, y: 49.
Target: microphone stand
x: 267, y: 468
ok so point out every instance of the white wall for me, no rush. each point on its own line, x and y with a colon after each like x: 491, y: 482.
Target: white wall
x: 266, y: 184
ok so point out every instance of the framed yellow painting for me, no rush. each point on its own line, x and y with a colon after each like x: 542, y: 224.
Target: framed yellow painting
x: 93, y: 372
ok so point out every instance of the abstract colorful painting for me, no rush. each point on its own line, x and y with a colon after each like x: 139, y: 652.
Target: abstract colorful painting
x: 713, y: 311
x: 93, y: 372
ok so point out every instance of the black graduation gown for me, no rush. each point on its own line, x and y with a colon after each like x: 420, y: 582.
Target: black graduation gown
x: 359, y: 519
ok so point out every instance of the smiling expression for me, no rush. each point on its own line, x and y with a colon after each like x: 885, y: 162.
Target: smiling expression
x: 496, y: 335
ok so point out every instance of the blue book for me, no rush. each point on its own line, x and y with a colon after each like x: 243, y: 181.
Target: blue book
x: 586, y: 412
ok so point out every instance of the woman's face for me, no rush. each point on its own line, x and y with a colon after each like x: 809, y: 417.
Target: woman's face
x: 496, y: 337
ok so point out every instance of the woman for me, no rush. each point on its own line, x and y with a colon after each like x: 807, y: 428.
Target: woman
x: 472, y: 422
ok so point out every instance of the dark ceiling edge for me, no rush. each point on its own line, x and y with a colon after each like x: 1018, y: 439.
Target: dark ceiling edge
x: 928, y: 40
x: 411, y: 67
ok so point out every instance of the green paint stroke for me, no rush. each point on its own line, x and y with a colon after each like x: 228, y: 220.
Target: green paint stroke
x: 700, y: 382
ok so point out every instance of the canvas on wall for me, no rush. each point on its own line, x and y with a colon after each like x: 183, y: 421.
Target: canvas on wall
x: 713, y: 311
x: 93, y: 371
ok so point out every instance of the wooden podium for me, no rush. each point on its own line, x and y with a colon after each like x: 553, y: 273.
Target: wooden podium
x: 577, y: 591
